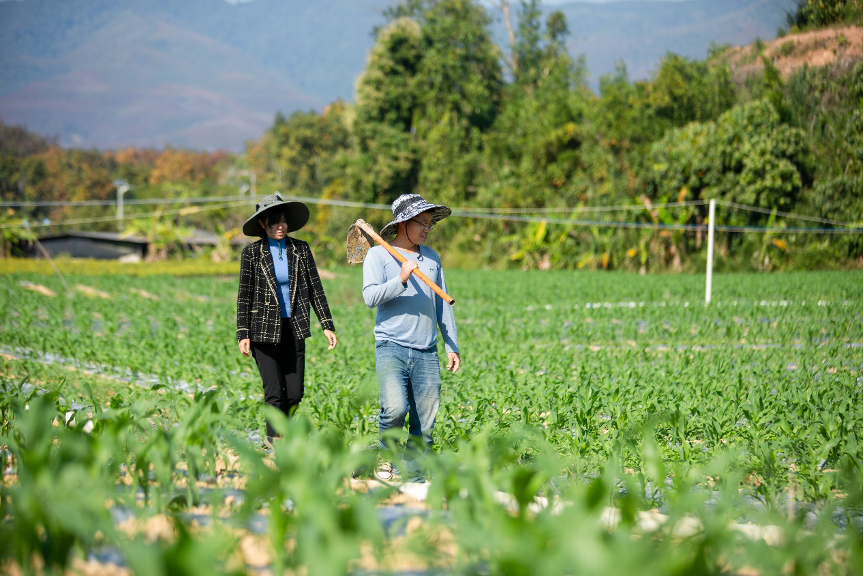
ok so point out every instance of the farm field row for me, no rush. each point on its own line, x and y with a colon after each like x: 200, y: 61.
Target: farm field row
x: 598, y: 390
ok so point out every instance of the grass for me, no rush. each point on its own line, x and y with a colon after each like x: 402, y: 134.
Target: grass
x: 595, y: 394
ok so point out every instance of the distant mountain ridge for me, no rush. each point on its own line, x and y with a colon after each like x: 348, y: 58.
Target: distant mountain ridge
x: 640, y: 33
x: 198, y: 73
x: 207, y: 74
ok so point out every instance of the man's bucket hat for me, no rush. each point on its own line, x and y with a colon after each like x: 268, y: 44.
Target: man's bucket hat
x: 297, y: 214
x: 408, y: 206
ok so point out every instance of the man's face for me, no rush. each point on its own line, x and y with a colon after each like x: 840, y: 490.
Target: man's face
x: 419, y: 227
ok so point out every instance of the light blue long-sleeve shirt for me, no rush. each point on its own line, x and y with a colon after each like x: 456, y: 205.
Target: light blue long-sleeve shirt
x: 409, y: 314
x: 280, y: 266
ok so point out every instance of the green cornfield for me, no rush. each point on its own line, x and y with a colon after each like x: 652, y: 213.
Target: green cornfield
x: 602, y: 423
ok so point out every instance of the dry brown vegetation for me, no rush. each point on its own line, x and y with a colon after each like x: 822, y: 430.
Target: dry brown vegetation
x: 840, y: 45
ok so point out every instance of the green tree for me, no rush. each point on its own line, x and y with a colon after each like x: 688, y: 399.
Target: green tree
x: 626, y: 118
x: 809, y: 13
x: 460, y: 70
x: 529, y: 51
x: 747, y: 156
x: 306, y: 146
x: 432, y: 87
x: 537, y: 137
x: 164, y: 235
x: 384, y: 161
x: 684, y: 90
x: 826, y: 104
x: 18, y: 163
x: 533, y: 154
x: 460, y: 91
x: 620, y: 116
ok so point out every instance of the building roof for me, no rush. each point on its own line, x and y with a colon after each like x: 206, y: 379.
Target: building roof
x: 197, y: 237
x: 110, y: 236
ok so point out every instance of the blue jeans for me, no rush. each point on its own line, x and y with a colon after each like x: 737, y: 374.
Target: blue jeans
x: 409, y: 383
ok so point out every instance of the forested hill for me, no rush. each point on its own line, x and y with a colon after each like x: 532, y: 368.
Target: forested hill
x: 207, y: 74
x: 198, y: 73
x: 640, y: 33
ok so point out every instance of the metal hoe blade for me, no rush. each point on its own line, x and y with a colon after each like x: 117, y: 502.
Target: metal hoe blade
x: 359, y: 244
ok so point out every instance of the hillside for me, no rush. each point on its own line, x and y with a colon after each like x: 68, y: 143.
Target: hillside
x: 839, y: 45
x: 639, y: 34
x: 201, y: 73
x: 207, y: 74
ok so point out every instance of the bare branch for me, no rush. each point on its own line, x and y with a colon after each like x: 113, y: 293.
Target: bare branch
x: 504, y: 5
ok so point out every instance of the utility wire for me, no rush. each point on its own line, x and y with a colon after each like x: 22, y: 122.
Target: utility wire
x: 573, y: 222
x: 780, y: 213
x: 126, y: 217
x: 44, y: 252
x: 476, y: 210
x: 26, y: 203
x: 474, y: 213
x: 578, y: 209
x: 721, y: 228
x: 658, y: 226
x: 336, y: 202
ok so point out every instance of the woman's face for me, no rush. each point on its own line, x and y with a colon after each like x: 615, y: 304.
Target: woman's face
x: 276, y: 227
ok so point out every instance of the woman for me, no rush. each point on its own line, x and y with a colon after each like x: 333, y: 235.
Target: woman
x: 278, y: 281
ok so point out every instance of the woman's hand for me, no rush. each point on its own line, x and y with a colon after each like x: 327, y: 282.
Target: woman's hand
x: 453, y: 362
x: 244, y: 346
x: 331, y: 338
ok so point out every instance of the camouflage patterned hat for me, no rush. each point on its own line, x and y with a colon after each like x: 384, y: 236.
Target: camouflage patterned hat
x: 408, y: 206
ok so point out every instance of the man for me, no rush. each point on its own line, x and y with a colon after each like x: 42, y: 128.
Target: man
x: 406, y: 328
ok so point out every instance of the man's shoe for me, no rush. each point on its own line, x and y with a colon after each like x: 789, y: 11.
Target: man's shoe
x: 386, y: 471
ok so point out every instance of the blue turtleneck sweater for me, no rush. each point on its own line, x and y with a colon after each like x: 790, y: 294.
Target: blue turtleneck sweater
x: 279, y: 251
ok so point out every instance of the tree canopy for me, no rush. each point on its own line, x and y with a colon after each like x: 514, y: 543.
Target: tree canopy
x: 441, y: 110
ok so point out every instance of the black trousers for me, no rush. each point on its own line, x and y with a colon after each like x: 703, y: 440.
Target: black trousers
x: 281, y: 366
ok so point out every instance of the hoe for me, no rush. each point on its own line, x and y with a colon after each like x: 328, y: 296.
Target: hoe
x: 360, y: 237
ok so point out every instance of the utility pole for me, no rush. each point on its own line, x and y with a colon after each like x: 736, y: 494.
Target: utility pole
x: 709, y: 266
x: 250, y: 188
x: 122, y: 188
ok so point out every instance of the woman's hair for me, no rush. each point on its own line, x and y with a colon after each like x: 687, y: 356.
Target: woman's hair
x: 274, y: 215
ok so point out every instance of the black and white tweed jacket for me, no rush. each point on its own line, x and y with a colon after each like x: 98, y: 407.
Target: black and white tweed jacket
x: 258, y: 315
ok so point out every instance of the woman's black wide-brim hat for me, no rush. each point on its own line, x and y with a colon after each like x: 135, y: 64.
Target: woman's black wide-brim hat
x: 297, y: 214
x: 407, y: 206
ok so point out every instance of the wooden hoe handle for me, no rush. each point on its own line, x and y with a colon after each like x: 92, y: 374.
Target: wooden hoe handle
x: 377, y: 238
